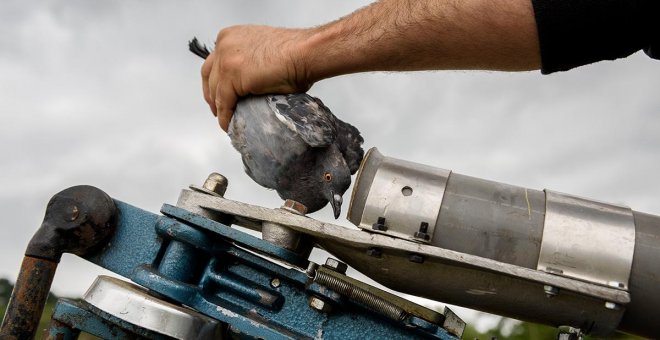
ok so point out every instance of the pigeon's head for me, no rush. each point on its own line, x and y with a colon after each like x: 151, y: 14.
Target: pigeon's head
x: 335, y: 178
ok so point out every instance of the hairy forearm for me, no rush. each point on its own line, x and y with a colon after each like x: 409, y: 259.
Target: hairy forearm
x: 389, y: 35
x: 408, y: 35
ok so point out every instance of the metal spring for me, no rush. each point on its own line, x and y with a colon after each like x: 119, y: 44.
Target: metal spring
x: 361, y: 296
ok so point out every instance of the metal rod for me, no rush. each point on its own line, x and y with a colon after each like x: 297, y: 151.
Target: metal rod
x: 28, y: 298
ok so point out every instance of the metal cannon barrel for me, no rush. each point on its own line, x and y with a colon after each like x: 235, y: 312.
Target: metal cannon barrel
x: 592, y: 243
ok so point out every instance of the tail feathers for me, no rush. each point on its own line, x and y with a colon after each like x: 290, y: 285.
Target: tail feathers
x: 198, y: 48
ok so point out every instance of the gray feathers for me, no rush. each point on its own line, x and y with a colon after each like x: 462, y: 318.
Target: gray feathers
x: 295, y: 145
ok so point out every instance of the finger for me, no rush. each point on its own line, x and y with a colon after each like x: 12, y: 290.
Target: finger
x: 226, y: 99
x: 206, y: 71
x: 214, y: 82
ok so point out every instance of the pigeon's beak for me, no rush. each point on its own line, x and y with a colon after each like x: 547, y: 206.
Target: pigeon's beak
x: 336, y: 204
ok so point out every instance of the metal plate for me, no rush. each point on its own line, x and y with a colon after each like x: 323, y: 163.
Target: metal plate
x: 587, y: 240
x: 133, y: 304
x: 406, y: 194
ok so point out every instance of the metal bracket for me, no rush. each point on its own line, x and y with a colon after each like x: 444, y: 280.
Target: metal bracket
x: 587, y: 240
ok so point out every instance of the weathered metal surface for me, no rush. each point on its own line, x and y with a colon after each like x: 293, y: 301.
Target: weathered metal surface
x: 77, y: 219
x: 242, y: 238
x: 260, y: 296
x: 134, y: 243
x: 28, y: 298
x: 134, y: 305
x: 587, y: 240
x: 58, y: 330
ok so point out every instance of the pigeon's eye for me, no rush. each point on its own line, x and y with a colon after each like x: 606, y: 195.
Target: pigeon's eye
x: 327, y: 177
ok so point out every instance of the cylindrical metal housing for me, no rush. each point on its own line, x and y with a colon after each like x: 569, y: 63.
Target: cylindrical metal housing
x: 580, y: 239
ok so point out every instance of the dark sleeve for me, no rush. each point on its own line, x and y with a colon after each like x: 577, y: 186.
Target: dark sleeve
x: 573, y: 33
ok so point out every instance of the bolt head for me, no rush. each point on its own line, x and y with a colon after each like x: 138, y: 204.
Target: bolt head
x: 319, y: 304
x: 294, y: 207
x: 336, y: 265
x: 216, y: 183
x: 275, y: 283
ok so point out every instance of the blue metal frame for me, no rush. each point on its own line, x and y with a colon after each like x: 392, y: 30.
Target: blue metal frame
x: 214, y: 269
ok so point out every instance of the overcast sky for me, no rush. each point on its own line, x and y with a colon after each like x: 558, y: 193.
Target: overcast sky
x: 106, y: 94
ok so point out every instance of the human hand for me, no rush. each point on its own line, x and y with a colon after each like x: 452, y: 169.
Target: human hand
x: 253, y: 60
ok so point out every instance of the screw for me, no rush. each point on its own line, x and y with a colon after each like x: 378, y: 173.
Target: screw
x: 416, y: 258
x: 336, y: 265
x: 319, y: 304
x: 380, y: 225
x: 550, y: 291
x: 375, y: 252
x: 612, y: 305
x: 294, y: 207
x: 275, y: 283
x: 216, y: 183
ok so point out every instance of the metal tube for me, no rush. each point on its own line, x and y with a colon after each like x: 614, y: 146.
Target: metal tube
x: 641, y: 316
x: 77, y: 220
x: 505, y: 223
x: 580, y: 239
x: 493, y: 220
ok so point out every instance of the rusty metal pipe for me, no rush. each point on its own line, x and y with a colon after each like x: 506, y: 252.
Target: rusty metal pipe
x: 28, y: 298
x: 77, y: 220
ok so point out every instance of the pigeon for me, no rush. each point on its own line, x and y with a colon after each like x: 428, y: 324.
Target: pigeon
x: 295, y: 145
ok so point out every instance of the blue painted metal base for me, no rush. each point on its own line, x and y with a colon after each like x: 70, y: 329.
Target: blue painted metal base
x: 214, y: 269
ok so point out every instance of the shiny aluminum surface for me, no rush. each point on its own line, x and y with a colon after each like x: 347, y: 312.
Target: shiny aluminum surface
x: 133, y: 304
x: 587, y: 240
x: 407, y: 195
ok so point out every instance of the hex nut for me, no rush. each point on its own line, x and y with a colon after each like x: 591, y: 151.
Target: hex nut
x: 319, y: 304
x: 336, y: 265
x: 216, y: 183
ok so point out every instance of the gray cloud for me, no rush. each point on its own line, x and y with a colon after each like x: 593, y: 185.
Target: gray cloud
x: 106, y: 93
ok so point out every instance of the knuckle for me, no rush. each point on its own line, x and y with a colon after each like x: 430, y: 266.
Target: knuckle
x: 227, y: 31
